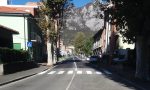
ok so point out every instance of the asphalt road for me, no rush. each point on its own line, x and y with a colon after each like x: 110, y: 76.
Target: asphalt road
x: 72, y: 74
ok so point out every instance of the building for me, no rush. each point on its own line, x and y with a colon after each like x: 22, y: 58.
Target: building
x: 30, y: 7
x: 107, y: 40
x: 6, y: 36
x: 23, y: 21
x: 66, y: 50
x: 98, y: 43
x: 70, y: 50
x: 4, y: 2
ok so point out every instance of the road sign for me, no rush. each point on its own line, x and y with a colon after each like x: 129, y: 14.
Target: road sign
x: 29, y: 44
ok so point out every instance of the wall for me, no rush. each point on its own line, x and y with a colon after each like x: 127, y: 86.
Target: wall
x: 123, y: 45
x: 6, y: 39
x: 28, y: 30
x: 35, y: 33
x: 19, y: 24
x: 4, y: 2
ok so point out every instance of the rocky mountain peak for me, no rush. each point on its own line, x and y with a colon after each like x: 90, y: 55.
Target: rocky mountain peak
x: 83, y: 18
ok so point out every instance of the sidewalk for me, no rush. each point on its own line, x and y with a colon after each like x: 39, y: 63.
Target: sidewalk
x: 129, y: 74
x: 5, y: 79
x: 125, y: 72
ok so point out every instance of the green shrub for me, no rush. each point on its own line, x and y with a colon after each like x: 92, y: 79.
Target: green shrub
x: 10, y: 55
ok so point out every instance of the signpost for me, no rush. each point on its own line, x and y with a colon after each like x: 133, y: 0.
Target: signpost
x: 29, y: 45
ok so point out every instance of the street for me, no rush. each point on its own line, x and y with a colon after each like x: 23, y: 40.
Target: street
x: 72, y: 74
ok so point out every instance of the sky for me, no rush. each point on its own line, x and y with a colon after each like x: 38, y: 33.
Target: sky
x: 78, y: 3
x: 22, y: 2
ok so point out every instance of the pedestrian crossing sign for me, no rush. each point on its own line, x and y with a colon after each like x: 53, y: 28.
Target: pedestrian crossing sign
x: 29, y: 44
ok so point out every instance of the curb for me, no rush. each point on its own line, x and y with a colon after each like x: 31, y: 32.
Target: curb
x: 23, y: 77
x: 19, y: 78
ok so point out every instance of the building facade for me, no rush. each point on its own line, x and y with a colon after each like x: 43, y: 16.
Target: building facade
x: 6, y: 36
x: 4, y: 2
x: 25, y: 24
x: 107, y: 40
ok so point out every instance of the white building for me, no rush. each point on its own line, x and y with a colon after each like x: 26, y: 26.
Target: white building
x: 4, y: 2
x: 23, y: 21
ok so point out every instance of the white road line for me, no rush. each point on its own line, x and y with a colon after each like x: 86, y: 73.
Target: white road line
x: 60, y: 72
x: 79, y: 72
x: 52, y: 72
x: 70, y: 72
x: 107, y: 72
x: 76, y: 68
x: 42, y: 72
x: 70, y: 82
x: 98, y: 72
x: 89, y: 72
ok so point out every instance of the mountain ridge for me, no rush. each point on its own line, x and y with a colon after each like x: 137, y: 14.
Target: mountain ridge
x: 85, y: 19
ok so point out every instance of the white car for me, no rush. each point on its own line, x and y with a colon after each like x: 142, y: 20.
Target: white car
x: 87, y: 58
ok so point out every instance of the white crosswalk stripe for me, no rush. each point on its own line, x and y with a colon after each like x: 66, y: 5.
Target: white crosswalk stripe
x: 42, y: 72
x: 60, y: 72
x: 89, y: 72
x: 70, y: 72
x: 79, y: 72
x: 52, y: 72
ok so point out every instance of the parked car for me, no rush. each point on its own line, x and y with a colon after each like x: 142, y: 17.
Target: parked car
x: 94, y: 58
x: 120, y: 57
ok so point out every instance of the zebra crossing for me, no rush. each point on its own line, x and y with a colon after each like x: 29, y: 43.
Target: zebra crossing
x: 69, y: 72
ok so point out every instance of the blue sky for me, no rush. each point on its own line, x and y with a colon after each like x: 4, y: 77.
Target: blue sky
x: 22, y: 2
x: 78, y: 3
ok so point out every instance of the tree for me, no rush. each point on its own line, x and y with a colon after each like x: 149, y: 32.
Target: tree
x: 79, y: 42
x: 132, y: 20
x: 83, y: 44
x: 88, y: 44
x: 51, y: 11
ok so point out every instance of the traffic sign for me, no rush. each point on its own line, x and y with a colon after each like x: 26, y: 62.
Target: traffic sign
x: 29, y: 44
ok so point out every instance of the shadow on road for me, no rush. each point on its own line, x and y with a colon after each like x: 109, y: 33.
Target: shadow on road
x: 115, y: 77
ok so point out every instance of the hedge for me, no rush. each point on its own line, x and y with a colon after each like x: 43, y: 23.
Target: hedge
x: 10, y: 55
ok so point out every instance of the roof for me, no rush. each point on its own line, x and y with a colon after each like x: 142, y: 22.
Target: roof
x: 30, y: 9
x: 9, y: 29
x: 4, y: 9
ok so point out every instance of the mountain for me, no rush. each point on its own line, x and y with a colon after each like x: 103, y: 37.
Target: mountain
x: 85, y: 19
